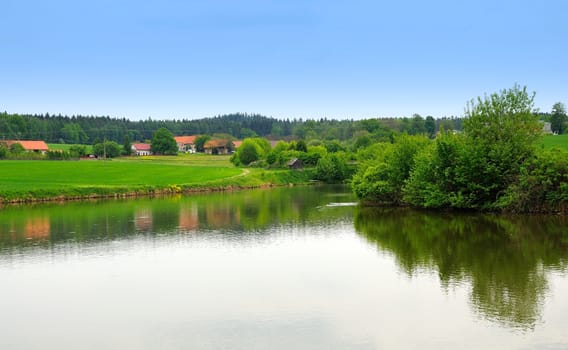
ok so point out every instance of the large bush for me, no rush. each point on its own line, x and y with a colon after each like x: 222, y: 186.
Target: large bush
x: 333, y: 168
x: 110, y: 149
x: 381, y: 178
x: 251, y: 150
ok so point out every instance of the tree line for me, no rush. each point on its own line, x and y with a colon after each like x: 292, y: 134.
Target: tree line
x: 86, y: 129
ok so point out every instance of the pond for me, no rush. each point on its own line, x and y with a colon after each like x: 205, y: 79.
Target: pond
x: 285, y: 268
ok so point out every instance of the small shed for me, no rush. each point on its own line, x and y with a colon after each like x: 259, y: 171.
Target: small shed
x: 295, y: 163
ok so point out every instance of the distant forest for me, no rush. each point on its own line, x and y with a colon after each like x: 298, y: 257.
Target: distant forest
x: 88, y: 129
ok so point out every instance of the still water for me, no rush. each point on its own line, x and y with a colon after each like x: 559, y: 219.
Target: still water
x: 288, y: 268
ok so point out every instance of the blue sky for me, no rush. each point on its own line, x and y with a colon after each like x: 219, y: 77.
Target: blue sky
x: 287, y: 59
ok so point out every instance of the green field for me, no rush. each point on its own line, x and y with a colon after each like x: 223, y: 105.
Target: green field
x: 560, y: 141
x: 31, y: 180
x: 44, y: 179
x: 199, y: 160
x: 65, y: 147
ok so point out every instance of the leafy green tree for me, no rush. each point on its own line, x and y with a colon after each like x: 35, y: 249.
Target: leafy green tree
x: 77, y: 151
x: 430, y: 126
x: 110, y: 149
x: 301, y: 146
x: 126, y: 146
x: 17, y: 148
x: 558, y: 118
x: 476, y: 169
x: 502, y: 132
x: 417, y: 125
x: 251, y: 150
x: 247, y: 153
x: 200, y: 142
x: 163, y: 142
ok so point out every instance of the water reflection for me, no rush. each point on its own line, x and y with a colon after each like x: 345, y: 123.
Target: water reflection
x: 504, y: 260
x: 240, y: 212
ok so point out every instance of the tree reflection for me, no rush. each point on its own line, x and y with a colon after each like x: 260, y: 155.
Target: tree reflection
x: 236, y: 212
x: 504, y: 260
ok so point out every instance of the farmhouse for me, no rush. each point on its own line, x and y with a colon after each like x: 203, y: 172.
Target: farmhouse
x: 186, y: 143
x: 141, y: 149
x: 218, y: 147
x: 29, y: 146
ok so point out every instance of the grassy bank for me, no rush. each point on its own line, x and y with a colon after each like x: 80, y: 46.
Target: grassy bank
x: 22, y: 181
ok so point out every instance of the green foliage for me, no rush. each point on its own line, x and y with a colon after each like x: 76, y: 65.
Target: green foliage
x: 301, y: 146
x: 248, y: 133
x: 163, y: 142
x: 430, y: 126
x: 74, y: 133
x: 58, y: 155
x: 494, y: 165
x: 444, y: 175
x: 78, y: 151
x: 247, y: 153
x: 417, y: 125
x: 200, y: 142
x: 110, y: 149
x: 3, y: 151
x: 362, y: 142
x: 333, y: 168
x: 334, y: 146
x: 126, y: 146
x: 542, y: 185
x: 251, y: 150
x: 505, y: 126
x: 473, y: 170
x: 558, y: 118
x: 381, y: 178
x: 502, y: 132
x: 275, y: 157
x: 17, y: 149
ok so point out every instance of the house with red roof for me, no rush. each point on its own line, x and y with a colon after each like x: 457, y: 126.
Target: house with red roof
x: 141, y: 149
x: 218, y: 146
x: 186, y: 143
x: 29, y: 145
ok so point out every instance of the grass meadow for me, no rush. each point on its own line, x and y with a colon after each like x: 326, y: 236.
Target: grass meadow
x: 66, y: 147
x: 560, y: 141
x: 44, y: 179
x: 32, y: 180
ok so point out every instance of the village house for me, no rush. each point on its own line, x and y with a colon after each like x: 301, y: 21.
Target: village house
x: 29, y: 146
x: 141, y: 149
x: 186, y: 143
x: 237, y: 144
x: 218, y: 147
